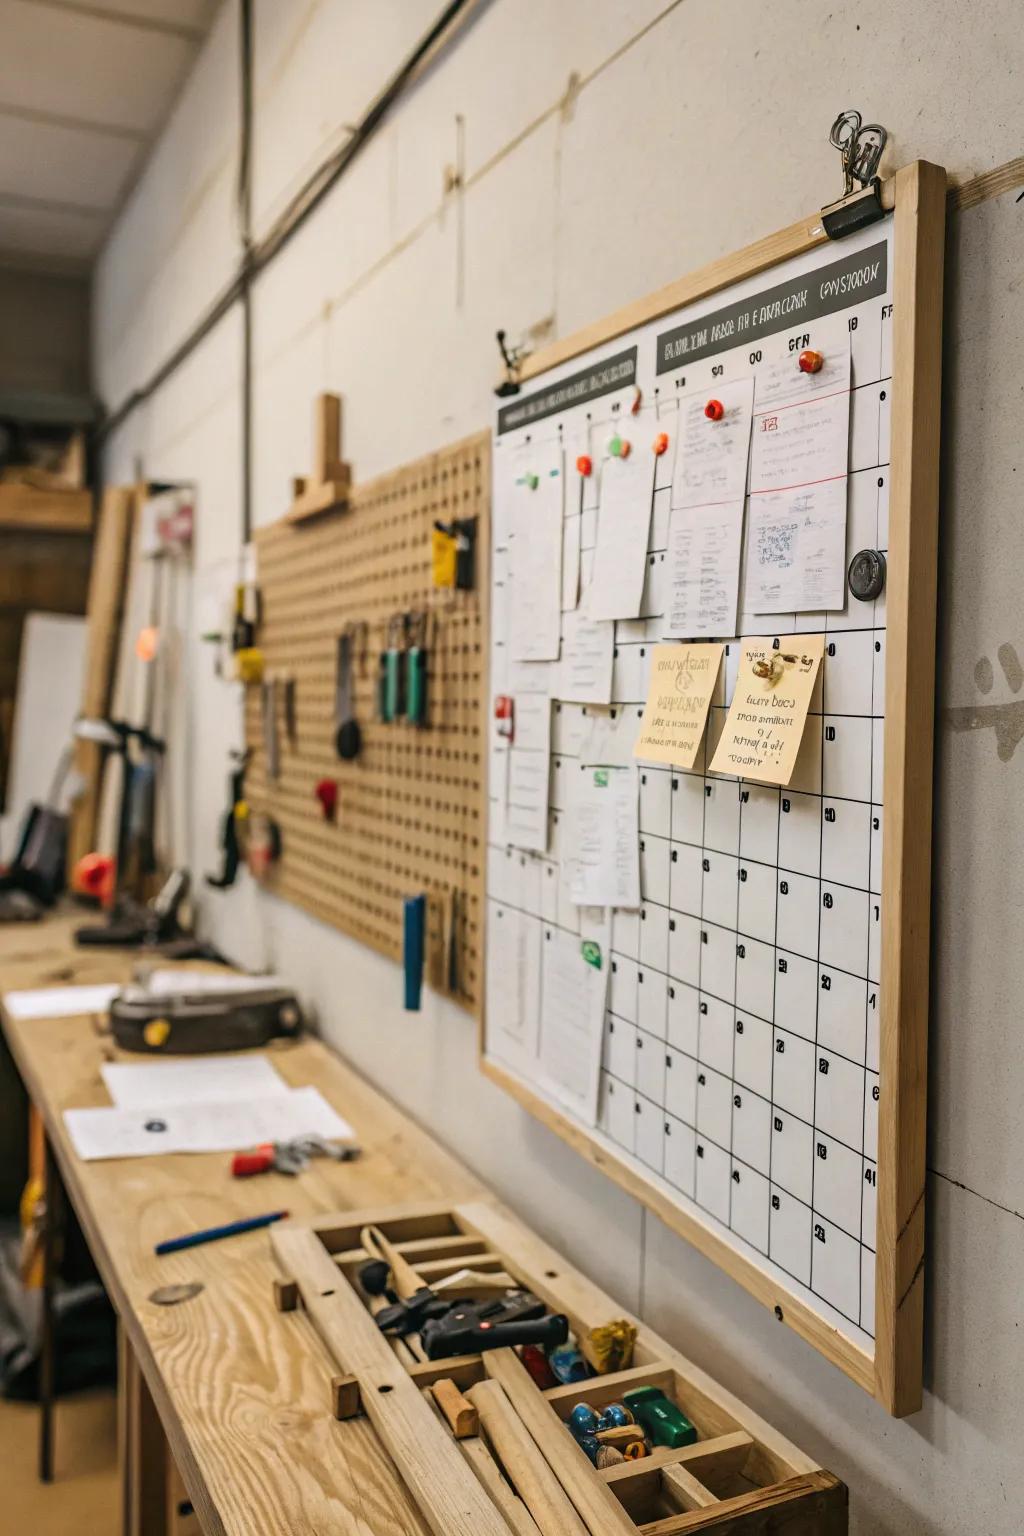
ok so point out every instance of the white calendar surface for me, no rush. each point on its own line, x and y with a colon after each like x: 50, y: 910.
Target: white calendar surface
x: 726, y: 1045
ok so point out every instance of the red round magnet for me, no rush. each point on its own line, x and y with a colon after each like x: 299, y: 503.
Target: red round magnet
x: 585, y: 465
x: 810, y: 362
x: 660, y: 444
x: 714, y: 410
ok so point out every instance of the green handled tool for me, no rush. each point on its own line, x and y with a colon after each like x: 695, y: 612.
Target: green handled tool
x: 416, y: 670
x: 391, y: 682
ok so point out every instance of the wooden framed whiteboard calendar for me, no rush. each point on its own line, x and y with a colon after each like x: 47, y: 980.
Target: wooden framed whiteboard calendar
x: 713, y: 986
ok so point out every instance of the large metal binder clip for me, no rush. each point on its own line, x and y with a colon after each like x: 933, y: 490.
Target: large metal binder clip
x: 861, y: 146
x: 512, y: 357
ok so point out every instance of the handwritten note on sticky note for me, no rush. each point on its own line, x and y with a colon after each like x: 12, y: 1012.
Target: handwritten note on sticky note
x: 766, y: 719
x: 682, y: 682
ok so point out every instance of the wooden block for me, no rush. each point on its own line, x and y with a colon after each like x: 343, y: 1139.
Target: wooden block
x: 531, y: 1476
x: 346, y: 1398
x: 320, y: 498
x: 684, y: 1489
x: 460, y: 1413
x: 619, y: 1434
x: 286, y: 1295
x: 595, y: 1501
x: 327, y: 438
x: 464, y: 1370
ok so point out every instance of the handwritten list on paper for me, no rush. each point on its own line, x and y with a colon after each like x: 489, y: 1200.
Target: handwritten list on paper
x: 796, y: 526
x: 574, y: 995
x: 513, y: 982
x: 604, y: 837
x: 535, y: 543
x: 529, y: 774
x: 765, y: 724
x: 706, y: 522
x: 623, y: 525
x: 682, y: 681
x: 585, y: 670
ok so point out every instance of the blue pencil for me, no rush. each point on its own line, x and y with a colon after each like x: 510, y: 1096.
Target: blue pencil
x: 213, y: 1234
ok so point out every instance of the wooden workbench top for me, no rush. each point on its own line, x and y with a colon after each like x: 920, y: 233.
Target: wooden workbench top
x: 242, y: 1390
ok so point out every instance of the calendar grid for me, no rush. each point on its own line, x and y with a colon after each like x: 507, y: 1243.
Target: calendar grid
x: 741, y: 1052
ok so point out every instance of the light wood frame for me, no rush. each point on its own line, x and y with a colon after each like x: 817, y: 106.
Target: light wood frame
x: 916, y: 195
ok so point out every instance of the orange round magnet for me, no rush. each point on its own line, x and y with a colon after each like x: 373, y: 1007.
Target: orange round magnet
x: 585, y: 465
x: 714, y: 410
x: 810, y: 362
x: 660, y: 444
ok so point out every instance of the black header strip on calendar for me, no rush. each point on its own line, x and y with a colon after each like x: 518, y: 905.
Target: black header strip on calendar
x: 589, y: 384
x: 852, y: 280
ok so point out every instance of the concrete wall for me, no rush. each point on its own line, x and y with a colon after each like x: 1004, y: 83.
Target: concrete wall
x: 606, y: 149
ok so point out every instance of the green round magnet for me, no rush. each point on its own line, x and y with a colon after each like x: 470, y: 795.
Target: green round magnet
x: 615, y: 446
x: 591, y: 952
x: 533, y: 481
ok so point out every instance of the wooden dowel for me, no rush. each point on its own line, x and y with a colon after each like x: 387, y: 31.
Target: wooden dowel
x: 590, y: 1494
x: 463, y: 1419
x: 529, y: 1473
x: 403, y: 1277
x: 496, y: 1486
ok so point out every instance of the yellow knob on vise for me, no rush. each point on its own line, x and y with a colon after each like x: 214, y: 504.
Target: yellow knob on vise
x: 157, y: 1032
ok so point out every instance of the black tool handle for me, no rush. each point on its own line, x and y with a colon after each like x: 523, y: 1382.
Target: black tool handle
x: 474, y: 1338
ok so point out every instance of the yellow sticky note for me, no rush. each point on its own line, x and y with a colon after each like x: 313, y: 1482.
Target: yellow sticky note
x: 765, y: 723
x: 678, y: 695
x: 444, y: 553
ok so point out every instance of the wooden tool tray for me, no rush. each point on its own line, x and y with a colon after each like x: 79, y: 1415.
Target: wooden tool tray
x: 741, y: 1475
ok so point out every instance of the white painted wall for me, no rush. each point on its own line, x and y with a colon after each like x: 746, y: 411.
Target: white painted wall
x: 689, y: 129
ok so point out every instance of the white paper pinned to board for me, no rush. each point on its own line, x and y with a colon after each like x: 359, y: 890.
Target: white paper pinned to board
x: 623, y: 526
x: 536, y: 553
x: 604, y: 837
x: 574, y: 994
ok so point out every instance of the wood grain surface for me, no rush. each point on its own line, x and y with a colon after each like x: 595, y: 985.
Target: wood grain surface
x: 242, y: 1390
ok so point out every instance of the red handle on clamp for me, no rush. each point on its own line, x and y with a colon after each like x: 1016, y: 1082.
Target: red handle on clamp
x: 245, y: 1164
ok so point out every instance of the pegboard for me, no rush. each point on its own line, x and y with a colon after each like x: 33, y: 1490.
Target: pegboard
x: 410, y: 806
